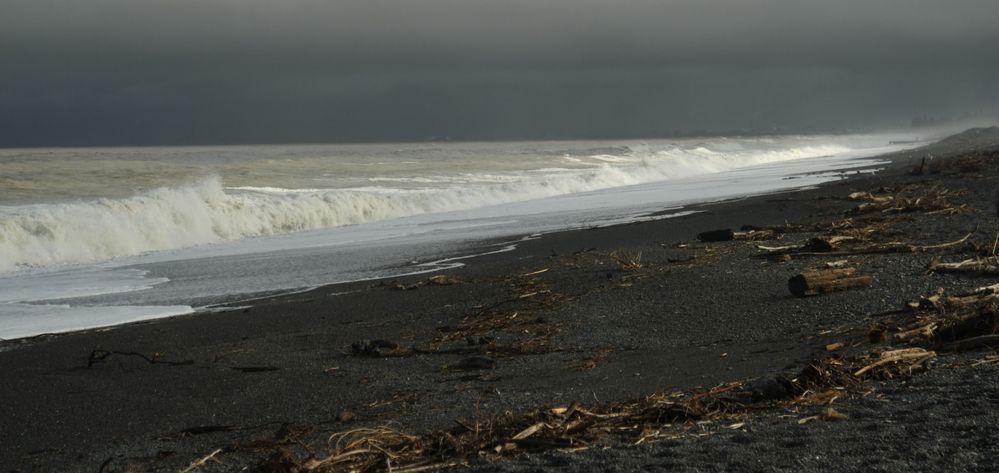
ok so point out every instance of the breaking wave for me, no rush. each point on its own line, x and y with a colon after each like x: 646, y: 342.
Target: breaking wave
x: 208, y: 212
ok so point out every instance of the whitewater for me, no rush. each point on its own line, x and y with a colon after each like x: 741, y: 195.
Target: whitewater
x: 93, y: 237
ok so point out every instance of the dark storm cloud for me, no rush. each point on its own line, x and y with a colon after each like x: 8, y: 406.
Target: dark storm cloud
x: 456, y: 32
x: 145, y: 71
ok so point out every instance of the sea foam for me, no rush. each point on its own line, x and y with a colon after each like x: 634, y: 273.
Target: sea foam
x: 205, y: 212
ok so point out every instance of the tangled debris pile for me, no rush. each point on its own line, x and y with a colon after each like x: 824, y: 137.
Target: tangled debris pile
x: 904, y: 199
x: 960, y: 322
x: 576, y: 427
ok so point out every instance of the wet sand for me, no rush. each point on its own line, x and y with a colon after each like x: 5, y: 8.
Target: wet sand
x: 592, y: 316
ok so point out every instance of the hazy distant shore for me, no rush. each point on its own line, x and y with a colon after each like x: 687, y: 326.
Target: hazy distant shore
x: 590, y: 316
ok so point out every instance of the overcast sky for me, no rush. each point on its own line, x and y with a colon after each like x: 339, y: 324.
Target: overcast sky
x: 86, y: 72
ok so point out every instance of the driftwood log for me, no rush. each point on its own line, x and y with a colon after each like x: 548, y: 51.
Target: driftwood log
x: 748, y: 232
x: 716, y: 235
x: 971, y: 266
x: 813, y: 283
x: 878, y: 248
x: 979, y: 295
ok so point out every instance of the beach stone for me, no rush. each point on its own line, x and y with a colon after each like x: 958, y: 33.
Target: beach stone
x: 483, y: 340
x: 716, y: 235
x: 770, y: 389
x: 475, y: 363
x: 373, y: 347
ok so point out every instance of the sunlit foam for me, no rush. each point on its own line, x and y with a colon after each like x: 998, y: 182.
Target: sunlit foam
x: 205, y: 212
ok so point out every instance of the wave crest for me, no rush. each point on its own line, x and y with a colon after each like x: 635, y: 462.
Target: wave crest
x: 207, y: 212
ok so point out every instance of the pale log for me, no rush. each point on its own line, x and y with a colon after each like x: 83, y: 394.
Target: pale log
x: 820, y: 282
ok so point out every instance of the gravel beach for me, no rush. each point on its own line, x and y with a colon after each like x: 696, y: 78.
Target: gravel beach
x: 591, y: 318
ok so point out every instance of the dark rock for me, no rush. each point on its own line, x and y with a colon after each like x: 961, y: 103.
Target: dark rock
x: 770, y: 389
x: 483, y: 340
x: 716, y: 235
x: 373, y: 347
x: 475, y: 363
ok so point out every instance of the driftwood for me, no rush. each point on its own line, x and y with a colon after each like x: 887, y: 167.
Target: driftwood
x: 879, y: 248
x: 748, y: 232
x: 973, y: 297
x: 813, y: 283
x: 752, y: 233
x: 986, y: 290
x: 925, y: 331
x: 201, y: 461
x: 870, y: 197
x: 779, y: 250
x: 814, y: 245
x: 573, y: 427
x: 960, y: 322
x: 933, y: 201
x: 910, y: 356
x: 969, y: 266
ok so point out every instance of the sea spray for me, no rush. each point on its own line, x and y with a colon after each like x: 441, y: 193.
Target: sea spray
x: 206, y: 211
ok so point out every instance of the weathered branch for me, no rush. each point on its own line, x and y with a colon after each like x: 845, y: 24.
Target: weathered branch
x: 969, y: 266
x: 880, y: 248
x: 98, y: 356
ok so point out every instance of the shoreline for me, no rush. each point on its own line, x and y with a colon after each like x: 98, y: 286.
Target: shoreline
x: 479, y: 249
x: 597, y: 315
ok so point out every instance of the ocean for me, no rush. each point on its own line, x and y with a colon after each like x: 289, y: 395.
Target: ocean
x: 92, y: 237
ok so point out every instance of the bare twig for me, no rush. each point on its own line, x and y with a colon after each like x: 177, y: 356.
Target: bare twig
x: 201, y: 461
